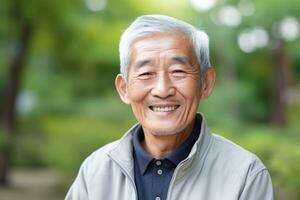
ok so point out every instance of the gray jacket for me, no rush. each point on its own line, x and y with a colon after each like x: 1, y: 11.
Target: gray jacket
x: 216, y: 169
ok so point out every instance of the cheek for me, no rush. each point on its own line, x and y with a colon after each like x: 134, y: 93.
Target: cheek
x: 190, y: 89
x: 137, y: 92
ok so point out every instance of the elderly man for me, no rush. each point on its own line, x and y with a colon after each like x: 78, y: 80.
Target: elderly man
x: 171, y: 153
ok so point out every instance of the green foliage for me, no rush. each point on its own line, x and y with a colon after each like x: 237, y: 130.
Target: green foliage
x: 2, y: 142
x: 26, y: 151
x: 63, y: 140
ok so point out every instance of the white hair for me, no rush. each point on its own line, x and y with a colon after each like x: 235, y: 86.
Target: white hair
x: 149, y: 25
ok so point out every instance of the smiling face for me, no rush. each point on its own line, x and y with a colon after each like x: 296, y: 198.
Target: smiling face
x: 163, y: 86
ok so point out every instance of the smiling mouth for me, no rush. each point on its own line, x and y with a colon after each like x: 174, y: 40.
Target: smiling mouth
x: 163, y: 108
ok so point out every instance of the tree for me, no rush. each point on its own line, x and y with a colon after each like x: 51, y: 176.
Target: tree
x: 13, y: 86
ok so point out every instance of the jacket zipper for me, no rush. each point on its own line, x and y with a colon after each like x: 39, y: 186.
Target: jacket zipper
x: 171, y: 184
x: 130, y: 178
x: 173, y: 179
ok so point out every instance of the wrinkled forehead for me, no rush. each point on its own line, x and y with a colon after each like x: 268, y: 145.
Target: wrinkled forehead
x: 172, y: 42
x: 165, y: 33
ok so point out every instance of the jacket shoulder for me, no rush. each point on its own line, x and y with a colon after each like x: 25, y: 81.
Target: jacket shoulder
x: 101, y: 153
x: 235, y: 156
x: 99, y: 158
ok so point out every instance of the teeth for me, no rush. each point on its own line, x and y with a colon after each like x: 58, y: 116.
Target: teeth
x: 164, y: 109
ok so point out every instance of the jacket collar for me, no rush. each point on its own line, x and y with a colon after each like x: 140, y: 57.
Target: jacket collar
x: 122, y: 153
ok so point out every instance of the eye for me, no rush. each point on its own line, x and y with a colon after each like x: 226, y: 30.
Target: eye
x: 178, y: 73
x: 145, y: 75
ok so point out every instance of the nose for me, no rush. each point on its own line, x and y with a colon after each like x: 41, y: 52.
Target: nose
x: 163, y: 86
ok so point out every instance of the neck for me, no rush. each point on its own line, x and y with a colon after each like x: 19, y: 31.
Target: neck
x: 159, y: 146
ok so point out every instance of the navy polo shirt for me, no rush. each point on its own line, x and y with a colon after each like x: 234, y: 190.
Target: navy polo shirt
x: 152, y: 176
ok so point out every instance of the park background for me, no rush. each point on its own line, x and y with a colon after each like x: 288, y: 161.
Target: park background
x: 59, y: 58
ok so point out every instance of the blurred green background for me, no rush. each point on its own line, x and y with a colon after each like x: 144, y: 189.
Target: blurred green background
x: 58, y: 60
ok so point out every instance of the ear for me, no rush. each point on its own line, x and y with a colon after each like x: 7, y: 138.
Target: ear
x: 208, y: 83
x: 121, y: 86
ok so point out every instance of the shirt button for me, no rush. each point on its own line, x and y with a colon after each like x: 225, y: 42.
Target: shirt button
x: 158, y: 162
x: 159, y: 172
x: 157, y: 198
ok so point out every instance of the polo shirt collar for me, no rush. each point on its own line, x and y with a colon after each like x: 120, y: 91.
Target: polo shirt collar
x: 143, y: 158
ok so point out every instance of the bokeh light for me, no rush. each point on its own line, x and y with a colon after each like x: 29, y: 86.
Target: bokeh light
x: 289, y: 28
x: 251, y: 39
x: 26, y: 102
x: 229, y: 16
x: 95, y: 5
x: 203, y: 5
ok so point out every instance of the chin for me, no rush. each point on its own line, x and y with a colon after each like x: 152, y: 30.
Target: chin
x: 163, y: 131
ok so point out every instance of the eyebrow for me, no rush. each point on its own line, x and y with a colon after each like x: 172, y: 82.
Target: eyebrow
x: 182, y: 59
x: 142, y: 63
